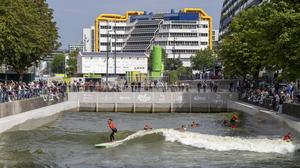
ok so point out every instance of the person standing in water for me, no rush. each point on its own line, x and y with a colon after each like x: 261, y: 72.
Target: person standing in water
x: 234, y: 120
x: 288, y: 137
x: 182, y: 129
x: 113, y: 128
x: 194, y: 124
x: 147, y: 127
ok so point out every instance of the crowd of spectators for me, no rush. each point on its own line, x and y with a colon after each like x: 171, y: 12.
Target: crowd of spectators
x: 272, y: 97
x: 213, y: 87
x: 124, y: 86
x: 12, y: 90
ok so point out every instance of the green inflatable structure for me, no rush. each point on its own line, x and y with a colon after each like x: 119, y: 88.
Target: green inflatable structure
x: 157, y: 63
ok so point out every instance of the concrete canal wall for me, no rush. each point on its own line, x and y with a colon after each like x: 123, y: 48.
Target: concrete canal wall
x: 285, y: 118
x: 16, y: 107
x: 34, y: 118
x: 156, y: 102
x: 152, y: 102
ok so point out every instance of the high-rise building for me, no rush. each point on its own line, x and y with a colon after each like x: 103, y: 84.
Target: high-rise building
x: 88, y: 39
x: 215, y: 37
x: 181, y: 33
x: 230, y: 9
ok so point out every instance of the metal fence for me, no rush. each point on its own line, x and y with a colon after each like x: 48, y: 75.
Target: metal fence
x: 16, y: 94
x: 181, y: 86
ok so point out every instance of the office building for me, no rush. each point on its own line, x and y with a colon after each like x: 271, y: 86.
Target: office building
x: 95, y: 63
x: 180, y: 33
x: 73, y: 47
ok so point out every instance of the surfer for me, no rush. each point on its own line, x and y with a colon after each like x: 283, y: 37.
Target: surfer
x: 225, y: 122
x: 113, y: 128
x: 287, y: 137
x: 182, y: 129
x: 234, y: 119
x: 194, y: 124
x: 147, y: 127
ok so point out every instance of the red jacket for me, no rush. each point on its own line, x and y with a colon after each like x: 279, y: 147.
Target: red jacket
x: 111, y: 125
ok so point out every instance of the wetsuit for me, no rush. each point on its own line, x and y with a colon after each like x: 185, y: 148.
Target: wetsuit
x: 114, y: 130
x: 233, y: 119
x: 225, y: 122
x: 287, y: 138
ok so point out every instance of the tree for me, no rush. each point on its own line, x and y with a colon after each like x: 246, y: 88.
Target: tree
x: 173, y: 76
x: 27, y: 33
x: 203, y: 59
x: 172, y: 64
x: 263, y: 37
x: 284, y: 33
x: 72, y: 63
x: 58, y: 63
x: 184, y: 73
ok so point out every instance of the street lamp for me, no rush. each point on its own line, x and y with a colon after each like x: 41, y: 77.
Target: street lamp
x: 173, y: 65
x: 115, y: 50
x: 107, y: 48
x: 5, y: 73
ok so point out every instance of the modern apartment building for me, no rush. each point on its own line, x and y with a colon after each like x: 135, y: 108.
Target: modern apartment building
x: 230, y: 9
x: 180, y: 33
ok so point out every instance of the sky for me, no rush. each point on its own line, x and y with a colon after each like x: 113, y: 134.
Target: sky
x: 72, y: 16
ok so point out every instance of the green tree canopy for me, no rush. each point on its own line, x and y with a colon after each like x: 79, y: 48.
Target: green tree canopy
x: 172, y: 64
x: 58, y: 63
x: 203, y: 59
x: 72, y: 63
x: 27, y: 33
x: 263, y: 37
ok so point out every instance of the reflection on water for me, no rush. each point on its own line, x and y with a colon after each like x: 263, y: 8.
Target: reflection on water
x: 69, y: 142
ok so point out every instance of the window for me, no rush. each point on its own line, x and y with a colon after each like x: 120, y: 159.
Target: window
x: 203, y: 43
x: 204, y: 26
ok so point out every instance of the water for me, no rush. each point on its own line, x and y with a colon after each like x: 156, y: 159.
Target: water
x: 69, y: 142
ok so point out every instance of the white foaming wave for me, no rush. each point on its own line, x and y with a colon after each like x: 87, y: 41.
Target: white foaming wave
x: 226, y: 143
x: 218, y: 143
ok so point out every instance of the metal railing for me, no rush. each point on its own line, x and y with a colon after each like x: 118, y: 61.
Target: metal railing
x: 144, y: 88
x: 46, y: 93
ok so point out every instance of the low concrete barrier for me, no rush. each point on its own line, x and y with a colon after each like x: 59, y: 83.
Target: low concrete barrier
x: 257, y: 111
x: 20, y: 106
x: 16, y: 107
x: 152, y: 102
x: 34, y: 118
x: 291, y: 109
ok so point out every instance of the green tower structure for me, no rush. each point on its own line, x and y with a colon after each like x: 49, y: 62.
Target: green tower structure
x: 157, y: 63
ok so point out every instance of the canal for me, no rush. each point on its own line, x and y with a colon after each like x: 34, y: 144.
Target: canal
x: 69, y: 142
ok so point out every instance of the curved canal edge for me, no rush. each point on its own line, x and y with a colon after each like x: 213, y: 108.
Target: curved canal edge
x: 134, y: 102
x: 34, y: 118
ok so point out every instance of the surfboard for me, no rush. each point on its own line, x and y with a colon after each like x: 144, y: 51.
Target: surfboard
x: 107, y: 144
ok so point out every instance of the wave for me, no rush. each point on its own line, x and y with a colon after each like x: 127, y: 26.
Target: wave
x: 218, y: 143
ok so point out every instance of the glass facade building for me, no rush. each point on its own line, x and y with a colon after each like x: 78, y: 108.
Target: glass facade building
x: 230, y: 9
